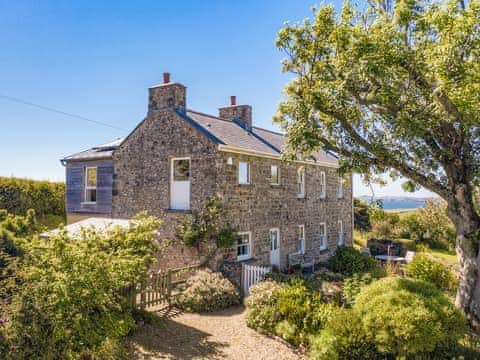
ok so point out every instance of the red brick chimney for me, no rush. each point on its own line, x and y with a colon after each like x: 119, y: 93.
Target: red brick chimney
x: 167, y: 95
x: 241, y: 113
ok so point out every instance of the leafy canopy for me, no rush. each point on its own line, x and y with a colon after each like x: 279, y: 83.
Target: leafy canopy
x: 393, y: 87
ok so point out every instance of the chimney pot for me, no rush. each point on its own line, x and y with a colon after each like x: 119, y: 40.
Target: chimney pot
x: 233, y: 100
x: 166, y: 77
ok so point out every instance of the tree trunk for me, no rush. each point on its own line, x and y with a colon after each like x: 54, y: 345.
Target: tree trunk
x: 461, y: 211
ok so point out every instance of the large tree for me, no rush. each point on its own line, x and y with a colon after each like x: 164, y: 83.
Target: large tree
x: 394, y: 87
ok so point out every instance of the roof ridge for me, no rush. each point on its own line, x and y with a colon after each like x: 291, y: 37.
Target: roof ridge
x: 208, y: 115
x: 267, y: 130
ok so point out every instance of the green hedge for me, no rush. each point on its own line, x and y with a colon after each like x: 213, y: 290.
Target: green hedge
x: 17, y: 196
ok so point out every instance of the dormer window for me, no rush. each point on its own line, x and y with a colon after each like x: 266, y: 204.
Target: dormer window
x: 90, y: 184
x: 301, y: 182
x: 243, y: 173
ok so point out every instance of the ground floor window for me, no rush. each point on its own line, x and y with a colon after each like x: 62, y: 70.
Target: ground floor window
x: 244, y: 245
x: 323, y: 236
x: 301, y: 239
x: 341, y: 238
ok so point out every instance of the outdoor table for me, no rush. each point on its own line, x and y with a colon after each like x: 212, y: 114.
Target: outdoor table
x: 389, y: 258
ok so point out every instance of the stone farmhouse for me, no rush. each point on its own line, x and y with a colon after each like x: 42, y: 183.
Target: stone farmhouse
x: 176, y: 158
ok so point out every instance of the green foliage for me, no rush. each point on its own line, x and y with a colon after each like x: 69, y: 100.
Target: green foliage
x: 17, y: 196
x: 429, y: 225
x: 262, y: 310
x: 69, y: 304
x: 353, y: 285
x: 408, y: 318
x: 205, y: 226
x: 424, y: 268
x: 344, y: 338
x: 348, y: 261
x: 361, y: 215
x: 206, y: 291
x: 290, y: 310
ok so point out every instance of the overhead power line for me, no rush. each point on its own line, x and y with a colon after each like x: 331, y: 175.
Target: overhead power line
x: 47, y: 108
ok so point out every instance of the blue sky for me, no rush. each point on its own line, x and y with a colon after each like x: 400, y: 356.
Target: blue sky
x: 98, y: 58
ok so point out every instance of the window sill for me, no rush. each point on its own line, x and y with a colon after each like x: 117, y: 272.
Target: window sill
x: 275, y: 185
x: 244, y: 184
x: 323, y: 250
x: 301, y: 197
x: 88, y: 203
x: 239, y: 260
x: 184, y: 211
x: 323, y: 198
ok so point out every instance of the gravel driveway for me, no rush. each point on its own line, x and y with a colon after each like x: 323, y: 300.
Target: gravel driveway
x: 219, y: 335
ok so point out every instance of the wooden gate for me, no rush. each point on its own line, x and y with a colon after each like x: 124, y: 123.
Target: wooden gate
x: 156, y: 288
x: 252, y: 274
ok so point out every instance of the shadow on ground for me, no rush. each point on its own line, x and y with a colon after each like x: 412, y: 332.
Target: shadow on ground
x: 165, y: 338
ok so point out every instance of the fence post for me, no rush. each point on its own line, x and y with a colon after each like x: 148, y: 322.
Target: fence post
x: 169, y: 286
x: 143, y: 299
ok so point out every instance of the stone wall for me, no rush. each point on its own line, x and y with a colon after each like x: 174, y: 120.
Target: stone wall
x: 142, y: 177
x: 260, y: 206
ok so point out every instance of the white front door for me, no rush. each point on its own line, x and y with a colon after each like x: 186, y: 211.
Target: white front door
x: 180, y: 184
x: 274, y: 247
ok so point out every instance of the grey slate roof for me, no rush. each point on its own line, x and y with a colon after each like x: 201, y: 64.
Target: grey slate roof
x: 221, y: 131
x: 103, y: 151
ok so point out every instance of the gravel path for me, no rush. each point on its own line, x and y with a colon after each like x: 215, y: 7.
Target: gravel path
x: 219, y: 335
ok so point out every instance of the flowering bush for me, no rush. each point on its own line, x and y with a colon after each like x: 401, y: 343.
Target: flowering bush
x: 206, y: 291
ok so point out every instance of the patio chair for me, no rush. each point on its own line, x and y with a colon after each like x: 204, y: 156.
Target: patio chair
x: 409, y: 256
x: 366, y: 251
x: 305, y: 261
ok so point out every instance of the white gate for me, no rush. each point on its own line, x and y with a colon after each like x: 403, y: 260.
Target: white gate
x: 251, y: 275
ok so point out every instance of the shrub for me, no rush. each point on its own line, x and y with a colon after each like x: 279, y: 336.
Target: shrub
x: 292, y: 311
x: 353, y: 285
x: 17, y: 196
x: 206, y: 291
x: 262, y: 310
x: 348, y: 261
x: 424, y: 268
x: 344, y: 338
x: 69, y: 304
x: 408, y: 318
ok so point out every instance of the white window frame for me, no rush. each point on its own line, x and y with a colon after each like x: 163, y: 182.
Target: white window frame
x: 278, y: 175
x: 341, y: 234
x: 90, y: 187
x: 248, y: 173
x: 301, y: 240
x: 301, y: 182
x: 340, y: 189
x: 277, y: 230
x: 249, y: 253
x: 323, y: 185
x: 323, y: 242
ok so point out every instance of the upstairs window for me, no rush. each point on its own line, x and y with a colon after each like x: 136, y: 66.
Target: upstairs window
x: 301, y: 239
x: 243, y: 173
x: 243, y: 245
x: 323, y: 185
x: 90, y: 184
x: 301, y: 182
x: 340, y: 187
x: 274, y: 175
x: 323, y: 236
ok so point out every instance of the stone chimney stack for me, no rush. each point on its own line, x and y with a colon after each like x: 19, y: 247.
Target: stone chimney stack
x: 240, y: 113
x: 167, y: 95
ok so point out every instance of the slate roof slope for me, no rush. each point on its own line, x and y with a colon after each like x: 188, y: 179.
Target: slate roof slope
x: 102, y: 151
x: 230, y: 133
x: 222, y: 131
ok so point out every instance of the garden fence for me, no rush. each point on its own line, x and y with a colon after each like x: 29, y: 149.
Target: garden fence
x: 252, y: 274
